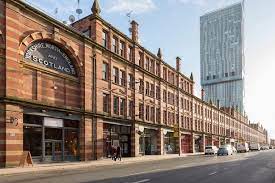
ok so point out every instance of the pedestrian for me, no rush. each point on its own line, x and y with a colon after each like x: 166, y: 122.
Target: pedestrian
x: 113, y: 153
x: 118, y: 152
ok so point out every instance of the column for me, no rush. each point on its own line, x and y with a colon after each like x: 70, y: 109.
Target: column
x: 85, y: 139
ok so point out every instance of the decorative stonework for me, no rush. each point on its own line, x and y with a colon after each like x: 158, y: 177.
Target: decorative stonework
x: 42, y: 36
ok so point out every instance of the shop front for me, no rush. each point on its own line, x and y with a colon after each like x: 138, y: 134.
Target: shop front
x: 114, y: 135
x: 148, y: 141
x: 169, y: 142
x: 51, y: 139
x: 199, y: 147
x: 186, y: 143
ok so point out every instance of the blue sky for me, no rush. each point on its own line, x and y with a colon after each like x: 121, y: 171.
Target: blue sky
x: 173, y: 25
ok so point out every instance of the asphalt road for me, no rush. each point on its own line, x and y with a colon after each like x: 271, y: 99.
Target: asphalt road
x: 253, y: 167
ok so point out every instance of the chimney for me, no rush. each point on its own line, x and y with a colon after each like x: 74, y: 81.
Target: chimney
x: 134, y: 31
x: 202, y: 94
x: 178, y: 64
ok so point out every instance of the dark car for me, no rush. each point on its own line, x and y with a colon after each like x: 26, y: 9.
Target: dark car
x: 225, y: 151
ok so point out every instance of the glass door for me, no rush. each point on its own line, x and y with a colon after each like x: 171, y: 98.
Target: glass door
x: 53, y: 151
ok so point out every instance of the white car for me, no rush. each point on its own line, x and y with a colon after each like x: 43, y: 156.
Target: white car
x: 255, y: 147
x: 242, y: 147
x: 225, y: 150
x: 211, y: 150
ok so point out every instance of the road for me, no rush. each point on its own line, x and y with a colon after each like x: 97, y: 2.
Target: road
x: 253, y: 167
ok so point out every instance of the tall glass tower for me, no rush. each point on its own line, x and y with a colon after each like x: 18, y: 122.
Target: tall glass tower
x: 222, y: 56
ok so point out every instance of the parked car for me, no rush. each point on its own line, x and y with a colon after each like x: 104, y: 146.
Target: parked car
x: 242, y: 147
x: 255, y: 147
x: 270, y: 147
x: 225, y: 150
x: 211, y: 150
x: 265, y: 147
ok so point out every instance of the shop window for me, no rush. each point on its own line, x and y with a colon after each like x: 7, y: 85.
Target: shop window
x: 31, y: 119
x: 32, y: 140
x: 71, y: 150
x: 53, y: 133
x: 71, y: 123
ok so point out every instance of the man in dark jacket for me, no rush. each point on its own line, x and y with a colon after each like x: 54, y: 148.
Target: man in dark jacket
x: 118, y: 152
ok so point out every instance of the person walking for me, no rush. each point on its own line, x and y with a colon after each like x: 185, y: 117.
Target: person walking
x: 118, y: 152
x: 113, y: 153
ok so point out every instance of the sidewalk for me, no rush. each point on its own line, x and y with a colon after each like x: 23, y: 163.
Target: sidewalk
x: 97, y: 163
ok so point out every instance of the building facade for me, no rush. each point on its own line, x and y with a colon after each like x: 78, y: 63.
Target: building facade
x: 222, y: 57
x: 71, y: 93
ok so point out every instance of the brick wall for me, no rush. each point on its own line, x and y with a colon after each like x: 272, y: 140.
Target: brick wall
x: 2, y: 47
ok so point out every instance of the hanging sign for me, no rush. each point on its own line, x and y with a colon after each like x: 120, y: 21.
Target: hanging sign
x: 53, y: 122
x: 50, y: 56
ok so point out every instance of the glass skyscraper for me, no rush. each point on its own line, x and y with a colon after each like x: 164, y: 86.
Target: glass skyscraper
x: 222, y: 56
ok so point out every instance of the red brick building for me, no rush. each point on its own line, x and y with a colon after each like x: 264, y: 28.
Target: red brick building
x: 73, y: 92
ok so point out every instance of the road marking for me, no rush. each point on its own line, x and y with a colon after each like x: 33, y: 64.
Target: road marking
x: 146, y: 172
x: 212, y: 173
x: 141, y: 181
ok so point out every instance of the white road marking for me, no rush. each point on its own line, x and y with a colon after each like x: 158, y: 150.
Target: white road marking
x: 213, y: 173
x: 141, y: 181
x: 145, y: 172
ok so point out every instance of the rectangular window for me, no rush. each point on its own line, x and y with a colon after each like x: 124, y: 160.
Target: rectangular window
x: 157, y: 69
x: 104, y: 39
x: 164, y: 96
x: 157, y: 92
x: 141, y: 86
x: 131, y: 108
x: 122, y: 78
x: 105, y: 71
x: 147, y: 88
x: 152, y: 117
x: 115, y: 44
x: 158, y: 114
x: 106, y: 102
x: 152, y: 66
x: 147, y: 63
x: 116, y: 75
x: 122, y: 106
x: 140, y: 62
x: 181, y: 103
x: 164, y: 73
x: 141, y: 111
x: 116, y: 105
x: 131, y: 81
x: 164, y: 117
x: 122, y: 49
x: 130, y: 53
x: 152, y: 90
x: 147, y: 112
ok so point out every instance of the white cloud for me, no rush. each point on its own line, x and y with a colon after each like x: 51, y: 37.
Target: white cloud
x: 194, y: 2
x: 137, y: 6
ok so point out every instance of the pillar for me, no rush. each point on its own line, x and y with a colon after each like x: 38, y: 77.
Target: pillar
x: 160, y: 141
x: 85, y: 139
x: 135, y: 140
x: 11, y: 135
